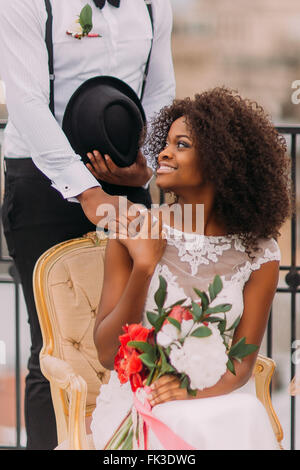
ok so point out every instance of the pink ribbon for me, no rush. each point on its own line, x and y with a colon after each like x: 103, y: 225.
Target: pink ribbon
x: 165, y: 435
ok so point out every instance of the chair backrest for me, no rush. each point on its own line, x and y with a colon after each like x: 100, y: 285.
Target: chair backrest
x: 67, y: 285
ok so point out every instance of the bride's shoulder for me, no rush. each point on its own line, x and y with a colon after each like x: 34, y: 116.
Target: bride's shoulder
x: 268, y: 250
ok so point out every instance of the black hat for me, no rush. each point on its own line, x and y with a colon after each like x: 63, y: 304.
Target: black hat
x: 105, y: 114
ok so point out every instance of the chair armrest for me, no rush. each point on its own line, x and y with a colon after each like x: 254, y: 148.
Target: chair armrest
x: 61, y: 374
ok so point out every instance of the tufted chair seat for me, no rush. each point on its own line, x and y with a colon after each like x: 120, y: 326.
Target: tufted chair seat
x: 67, y: 287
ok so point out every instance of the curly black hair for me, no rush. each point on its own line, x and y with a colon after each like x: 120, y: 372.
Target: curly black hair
x: 241, y: 153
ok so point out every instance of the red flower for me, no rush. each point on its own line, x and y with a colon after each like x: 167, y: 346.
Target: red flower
x: 134, y: 332
x: 180, y: 313
x: 127, y: 362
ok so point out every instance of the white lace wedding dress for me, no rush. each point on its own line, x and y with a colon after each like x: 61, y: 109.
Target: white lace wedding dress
x: 235, y: 421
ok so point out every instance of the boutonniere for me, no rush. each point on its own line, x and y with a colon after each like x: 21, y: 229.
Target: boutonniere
x: 83, y: 25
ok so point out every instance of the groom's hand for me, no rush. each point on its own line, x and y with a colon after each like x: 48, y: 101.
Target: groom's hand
x: 103, y: 168
x: 114, y: 213
x: 93, y: 199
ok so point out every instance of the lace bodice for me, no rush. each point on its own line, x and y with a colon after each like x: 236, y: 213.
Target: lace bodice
x: 192, y: 260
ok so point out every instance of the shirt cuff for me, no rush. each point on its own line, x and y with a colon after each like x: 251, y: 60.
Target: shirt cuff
x: 74, y: 180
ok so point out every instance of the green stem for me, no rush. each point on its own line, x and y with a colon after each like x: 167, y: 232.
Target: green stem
x: 120, y: 434
x: 128, y: 444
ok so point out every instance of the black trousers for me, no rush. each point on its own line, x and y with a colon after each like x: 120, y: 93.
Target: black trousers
x: 36, y: 217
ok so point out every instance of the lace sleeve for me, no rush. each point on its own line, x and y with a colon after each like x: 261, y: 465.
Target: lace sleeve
x: 268, y: 251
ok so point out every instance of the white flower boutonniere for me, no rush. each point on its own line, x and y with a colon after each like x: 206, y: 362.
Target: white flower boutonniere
x: 83, y: 25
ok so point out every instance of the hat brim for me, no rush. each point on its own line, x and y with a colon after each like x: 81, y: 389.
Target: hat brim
x: 95, y: 82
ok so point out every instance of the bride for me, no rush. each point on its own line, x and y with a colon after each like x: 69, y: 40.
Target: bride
x: 220, y: 151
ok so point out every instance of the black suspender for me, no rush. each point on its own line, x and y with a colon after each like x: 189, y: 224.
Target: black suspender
x: 49, y: 44
x: 149, y: 7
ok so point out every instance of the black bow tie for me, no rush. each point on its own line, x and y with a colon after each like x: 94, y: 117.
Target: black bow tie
x: 101, y: 3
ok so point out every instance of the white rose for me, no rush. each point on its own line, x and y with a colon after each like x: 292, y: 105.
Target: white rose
x: 167, y: 335
x: 202, y: 359
x: 186, y: 327
x: 170, y: 334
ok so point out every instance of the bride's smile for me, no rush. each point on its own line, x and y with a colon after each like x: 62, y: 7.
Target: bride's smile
x: 179, y: 162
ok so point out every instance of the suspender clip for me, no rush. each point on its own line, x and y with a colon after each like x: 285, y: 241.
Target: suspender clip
x: 52, y: 76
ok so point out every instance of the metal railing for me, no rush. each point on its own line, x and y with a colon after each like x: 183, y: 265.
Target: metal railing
x: 292, y: 280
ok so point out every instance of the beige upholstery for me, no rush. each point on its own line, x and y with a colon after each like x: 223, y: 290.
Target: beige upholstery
x: 67, y: 286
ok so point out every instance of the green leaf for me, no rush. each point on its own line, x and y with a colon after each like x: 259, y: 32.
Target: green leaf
x: 197, y: 311
x: 217, y: 285
x: 161, y: 293
x: 192, y: 392
x: 211, y: 292
x: 142, y: 346
x: 150, y: 376
x: 166, y: 368
x: 237, y: 347
x: 174, y: 322
x: 203, y: 297
x: 222, y: 326
x: 184, y: 382
x: 159, y: 323
x: 85, y: 19
x: 215, y: 288
x: 247, y: 350
x: 156, y: 320
x: 179, y: 302
x: 147, y: 359
x: 221, y: 308
x: 152, y: 318
x: 230, y: 367
x: 213, y: 319
x: 234, y: 324
x: 240, y: 349
x: 202, y: 332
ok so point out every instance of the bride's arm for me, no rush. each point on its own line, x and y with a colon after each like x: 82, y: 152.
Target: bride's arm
x: 127, y: 275
x: 259, y: 292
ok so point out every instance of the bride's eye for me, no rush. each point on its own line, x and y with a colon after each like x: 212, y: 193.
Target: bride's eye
x: 182, y: 144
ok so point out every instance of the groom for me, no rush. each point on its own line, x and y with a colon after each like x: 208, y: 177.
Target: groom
x: 44, y: 178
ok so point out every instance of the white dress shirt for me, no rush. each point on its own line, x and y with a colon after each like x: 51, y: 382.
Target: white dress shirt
x: 121, y: 51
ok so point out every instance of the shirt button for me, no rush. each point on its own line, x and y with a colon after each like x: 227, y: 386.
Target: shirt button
x: 67, y: 187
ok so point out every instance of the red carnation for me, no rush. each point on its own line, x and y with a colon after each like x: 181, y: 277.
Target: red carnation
x: 127, y: 362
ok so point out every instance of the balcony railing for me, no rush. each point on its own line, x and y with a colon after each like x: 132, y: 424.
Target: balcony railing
x: 288, y: 286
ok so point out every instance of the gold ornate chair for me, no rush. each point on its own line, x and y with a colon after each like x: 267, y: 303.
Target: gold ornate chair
x: 67, y: 286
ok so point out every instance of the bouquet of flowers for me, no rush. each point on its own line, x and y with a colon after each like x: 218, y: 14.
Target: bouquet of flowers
x: 191, y: 342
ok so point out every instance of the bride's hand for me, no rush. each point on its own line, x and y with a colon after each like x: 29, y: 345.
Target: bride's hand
x: 147, y: 246
x: 167, y: 388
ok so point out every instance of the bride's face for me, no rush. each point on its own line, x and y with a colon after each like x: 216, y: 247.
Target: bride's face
x: 179, y: 163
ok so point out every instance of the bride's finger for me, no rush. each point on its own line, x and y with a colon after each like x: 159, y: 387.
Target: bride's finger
x: 172, y: 393
x: 163, y: 384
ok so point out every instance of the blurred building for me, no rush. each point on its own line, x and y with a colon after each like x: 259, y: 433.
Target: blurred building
x: 252, y: 46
